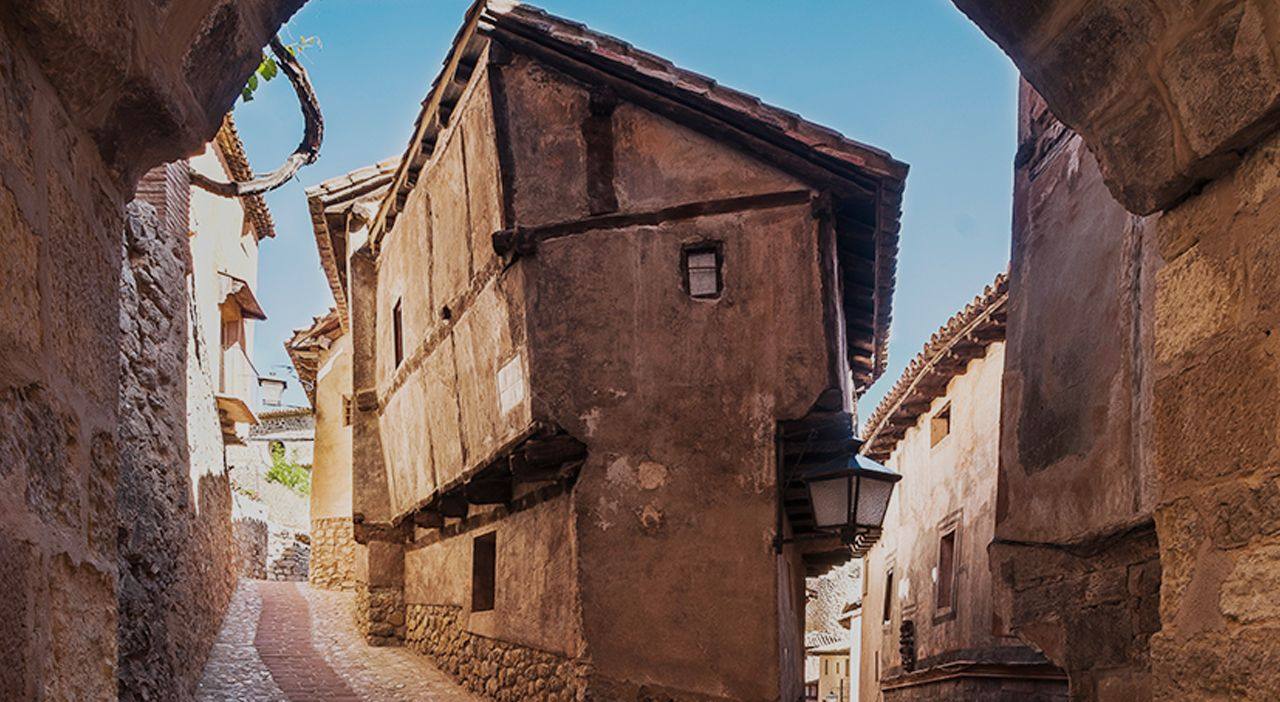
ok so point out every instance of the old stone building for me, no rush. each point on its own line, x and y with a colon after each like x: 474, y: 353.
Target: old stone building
x: 930, y: 630
x: 607, y: 307
x: 341, y: 209
x: 1150, y: 462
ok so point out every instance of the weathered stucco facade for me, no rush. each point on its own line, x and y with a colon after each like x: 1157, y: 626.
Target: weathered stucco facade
x: 930, y: 630
x: 541, y: 384
x: 1075, y: 548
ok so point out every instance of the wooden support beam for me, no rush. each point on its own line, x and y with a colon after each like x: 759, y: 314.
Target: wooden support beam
x: 452, y: 505
x: 428, y: 519
x: 489, y: 492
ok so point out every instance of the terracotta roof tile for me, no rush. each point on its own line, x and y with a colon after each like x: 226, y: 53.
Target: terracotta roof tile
x: 306, y: 346
x: 228, y: 140
x: 944, y: 356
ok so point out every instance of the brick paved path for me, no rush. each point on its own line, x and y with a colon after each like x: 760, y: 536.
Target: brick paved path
x: 285, y: 642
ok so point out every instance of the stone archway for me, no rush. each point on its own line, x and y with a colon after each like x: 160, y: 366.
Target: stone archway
x: 1141, y: 383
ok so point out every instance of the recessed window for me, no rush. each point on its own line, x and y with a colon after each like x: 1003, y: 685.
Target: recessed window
x: 484, y: 555
x: 940, y: 425
x: 397, y: 323
x: 702, y: 277
x: 346, y: 410
x: 946, y: 590
x: 888, y: 597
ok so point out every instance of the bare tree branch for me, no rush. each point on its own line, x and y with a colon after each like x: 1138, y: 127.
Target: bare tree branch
x: 305, y: 154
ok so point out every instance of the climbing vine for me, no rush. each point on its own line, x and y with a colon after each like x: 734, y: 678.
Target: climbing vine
x: 287, y: 472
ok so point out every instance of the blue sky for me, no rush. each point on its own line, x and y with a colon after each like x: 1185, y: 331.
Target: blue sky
x: 914, y: 77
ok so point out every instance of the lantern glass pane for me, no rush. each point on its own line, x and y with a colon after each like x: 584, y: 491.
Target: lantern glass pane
x: 830, y: 501
x: 873, y: 501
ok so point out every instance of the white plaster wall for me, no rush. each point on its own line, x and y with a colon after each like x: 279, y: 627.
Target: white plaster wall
x: 958, y: 475
x: 221, y: 241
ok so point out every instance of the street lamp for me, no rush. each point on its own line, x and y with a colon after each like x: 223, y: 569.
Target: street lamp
x: 850, y: 495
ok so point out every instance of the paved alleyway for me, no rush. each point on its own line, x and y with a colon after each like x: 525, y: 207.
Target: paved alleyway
x: 285, y: 642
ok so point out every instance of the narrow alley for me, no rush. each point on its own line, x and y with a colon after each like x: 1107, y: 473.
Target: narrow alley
x: 285, y: 641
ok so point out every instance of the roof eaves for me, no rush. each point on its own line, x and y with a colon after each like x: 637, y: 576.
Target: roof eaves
x: 255, y: 206
x: 966, y: 334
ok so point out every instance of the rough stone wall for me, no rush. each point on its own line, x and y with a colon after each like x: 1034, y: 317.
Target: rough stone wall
x: 1167, y: 93
x: 380, y: 614
x: 979, y: 689
x: 288, y: 555
x: 828, y: 595
x: 333, y: 554
x: 177, y: 554
x: 497, y: 669
x: 1217, y: 408
x: 251, y: 546
x: 148, y: 83
x: 92, y: 94
x: 61, y: 225
x: 1074, y: 555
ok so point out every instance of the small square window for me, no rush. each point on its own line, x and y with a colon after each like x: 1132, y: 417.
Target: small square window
x: 484, y: 555
x: 702, y: 276
x: 397, y: 329
x: 940, y: 425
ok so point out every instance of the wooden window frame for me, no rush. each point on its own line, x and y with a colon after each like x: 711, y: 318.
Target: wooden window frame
x: 886, y: 614
x: 946, y: 611
x: 702, y: 247
x: 943, y: 414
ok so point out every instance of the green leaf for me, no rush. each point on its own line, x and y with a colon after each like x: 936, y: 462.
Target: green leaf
x: 246, y: 94
x: 253, y: 81
x: 268, y: 69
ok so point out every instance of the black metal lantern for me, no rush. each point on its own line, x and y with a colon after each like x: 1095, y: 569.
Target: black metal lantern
x: 851, y: 496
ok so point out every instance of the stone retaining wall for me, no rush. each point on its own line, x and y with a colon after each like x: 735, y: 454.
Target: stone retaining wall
x: 380, y: 614
x: 288, y: 555
x: 497, y: 669
x: 333, y: 554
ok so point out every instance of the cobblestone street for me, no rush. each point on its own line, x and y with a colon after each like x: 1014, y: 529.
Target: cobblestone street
x: 285, y: 642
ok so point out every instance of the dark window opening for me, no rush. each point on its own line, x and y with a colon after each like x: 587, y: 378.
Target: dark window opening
x: 397, y: 324
x: 940, y: 425
x: 346, y: 410
x: 702, y: 270
x: 946, y: 570
x: 484, y: 554
x: 888, y: 596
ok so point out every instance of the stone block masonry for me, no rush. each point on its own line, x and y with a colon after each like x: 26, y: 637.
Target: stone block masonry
x: 333, y: 554
x: 380, y: 614
x: 288, y: 556
x: 500, y: 670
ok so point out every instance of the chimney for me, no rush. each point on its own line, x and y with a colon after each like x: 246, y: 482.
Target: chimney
x: 271, y: 391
